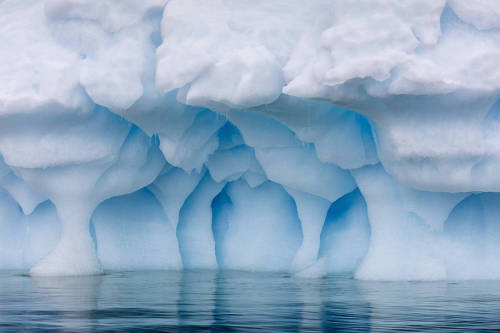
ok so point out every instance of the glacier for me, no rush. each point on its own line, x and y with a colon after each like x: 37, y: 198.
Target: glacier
x: 308, y: 137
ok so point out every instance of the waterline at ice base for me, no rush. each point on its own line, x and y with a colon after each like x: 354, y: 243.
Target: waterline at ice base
x: 307, y: 137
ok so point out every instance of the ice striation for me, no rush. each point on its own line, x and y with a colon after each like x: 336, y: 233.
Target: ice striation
x: 312, y: 137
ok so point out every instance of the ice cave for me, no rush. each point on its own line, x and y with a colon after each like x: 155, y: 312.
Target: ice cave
x: 308, y: 137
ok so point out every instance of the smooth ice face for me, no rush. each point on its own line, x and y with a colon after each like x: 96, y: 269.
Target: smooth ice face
x: 346, y: 233
x: 302, y: 136
x: 255, y: 228
x: 194, y: 231
x: 312, y: 211
x: 133, y: 232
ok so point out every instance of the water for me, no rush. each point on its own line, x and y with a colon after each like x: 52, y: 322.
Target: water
x: 243, y: 302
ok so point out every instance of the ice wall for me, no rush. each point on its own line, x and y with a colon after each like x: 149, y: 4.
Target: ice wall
x: 302, y: 136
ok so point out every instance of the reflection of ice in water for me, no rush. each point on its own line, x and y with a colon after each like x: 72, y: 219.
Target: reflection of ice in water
x: 310, y: 296
x: 196, y: 299
x: 270, y: 300
x: 439, y: 306
x: 243, y: 301
x: 135, y: 300
x: 115, y: 301
x: 71, y: 301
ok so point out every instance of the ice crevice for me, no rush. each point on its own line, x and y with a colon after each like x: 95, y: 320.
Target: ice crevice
x: 305, y: 137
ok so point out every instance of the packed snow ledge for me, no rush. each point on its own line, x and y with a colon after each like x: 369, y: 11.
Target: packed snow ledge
x: 301, y: 136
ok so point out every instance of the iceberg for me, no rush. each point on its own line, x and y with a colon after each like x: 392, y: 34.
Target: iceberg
x: 308, y: 137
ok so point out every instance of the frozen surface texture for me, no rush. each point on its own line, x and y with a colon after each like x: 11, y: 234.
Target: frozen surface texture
x: 302, y: 136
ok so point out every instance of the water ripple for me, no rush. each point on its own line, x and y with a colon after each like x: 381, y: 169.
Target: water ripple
x: 208, y: 301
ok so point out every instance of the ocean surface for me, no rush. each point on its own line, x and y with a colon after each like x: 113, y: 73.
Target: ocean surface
x: 208, y: 301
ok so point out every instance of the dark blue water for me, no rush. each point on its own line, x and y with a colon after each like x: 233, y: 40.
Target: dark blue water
x: 243, y: 302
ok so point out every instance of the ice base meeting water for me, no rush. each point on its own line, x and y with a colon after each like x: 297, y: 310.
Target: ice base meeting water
x: 243, y: 302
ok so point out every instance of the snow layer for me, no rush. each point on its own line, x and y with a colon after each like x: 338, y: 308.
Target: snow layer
x: 309, y: 137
